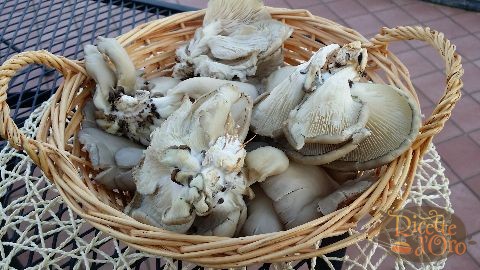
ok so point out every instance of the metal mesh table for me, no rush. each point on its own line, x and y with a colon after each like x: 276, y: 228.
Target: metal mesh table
x: 63, y: 27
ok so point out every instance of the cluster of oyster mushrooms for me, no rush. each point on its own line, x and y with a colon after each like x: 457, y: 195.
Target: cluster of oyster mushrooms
x: 235, y: 143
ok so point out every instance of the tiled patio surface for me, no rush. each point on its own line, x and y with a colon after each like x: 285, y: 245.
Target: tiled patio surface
x: 459, y: 141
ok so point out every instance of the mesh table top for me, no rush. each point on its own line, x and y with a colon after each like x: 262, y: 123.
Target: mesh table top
x: 62, y: 27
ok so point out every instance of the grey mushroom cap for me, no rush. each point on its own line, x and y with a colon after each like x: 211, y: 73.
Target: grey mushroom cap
x: 297, y: 189
x: 195, y: 159
x: 264, y: 162
x: 226, y: 218
x: 329, y: 124
x: 148, y: 208
x: 394, y: 122
x: 347, y: 191
x: 103, y: 149
x: 237, y: 37
x: 103, y: 75
x: 273, y: 107
x: 261, y: 216
x: 330, y: 115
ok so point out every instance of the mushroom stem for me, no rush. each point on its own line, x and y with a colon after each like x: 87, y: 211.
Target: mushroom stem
x: 124, y: 68
x: 98, y: 69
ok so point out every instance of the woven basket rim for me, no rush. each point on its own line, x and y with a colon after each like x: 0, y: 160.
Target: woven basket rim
x: 50, y: 150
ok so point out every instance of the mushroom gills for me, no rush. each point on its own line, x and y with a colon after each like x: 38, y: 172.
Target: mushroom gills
x: 237, y: 37
x: 394, y: 122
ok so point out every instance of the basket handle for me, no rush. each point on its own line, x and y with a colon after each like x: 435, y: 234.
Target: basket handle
x: 453, y: 72
x: 8, y: 128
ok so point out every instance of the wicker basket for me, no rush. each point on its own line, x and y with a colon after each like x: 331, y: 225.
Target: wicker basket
x: 57, y: 151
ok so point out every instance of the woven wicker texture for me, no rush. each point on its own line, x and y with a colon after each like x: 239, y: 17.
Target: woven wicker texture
x: 152, y: 46
x: 38, y: 227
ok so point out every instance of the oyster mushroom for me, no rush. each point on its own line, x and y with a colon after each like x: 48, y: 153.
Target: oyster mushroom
x: 124, y: 68
x: 278, y: 76
x: 226, y: 218
x: 345, y: 194
x: 305, y: 192
x: 236, y: 37
x: 113, y: 156
x: 330, y: 119
x: 99, y: 70
x: 264, y: 162
x: 295, y: 193
x: 394, y: 122
x: 261, y: 216
x: 340, y: 115
x: 126, y: 103
x: 196, y: 158
x: 272, y: 108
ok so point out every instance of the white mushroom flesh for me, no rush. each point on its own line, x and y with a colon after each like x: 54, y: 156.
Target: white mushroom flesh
x: 261, y: 215
x: 197, y: 155
x: 394, y: 122
x: 236, y: 36
x: 330, y: 115
x: 295, y: 191
x: 273, y: 107
x: 264, y: 162
x: 99, y: 70
x: 124, y: 68
x: 127, y: 104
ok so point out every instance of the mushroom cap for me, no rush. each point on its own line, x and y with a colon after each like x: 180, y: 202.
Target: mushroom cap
x: 236, y: 37
x: 394, y: 122
x: 264, y: 162
x: 278, y: 76
x: 226, y: 219
x: 345, y: 194
x: 328, y: 114
x: 124, y: 68
x: 261, y: 216
x: 149, y: 209
x: 234, y: 12
x: 272, y: 108
x: 102, y: 146
x: 196, y: 158
x: 199, y: 86
x: 103, y: 75
x: 295, y: 189
x: 159, y: 86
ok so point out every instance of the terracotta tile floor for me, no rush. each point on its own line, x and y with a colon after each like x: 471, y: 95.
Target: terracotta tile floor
x: 459, y: 142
